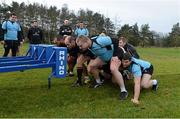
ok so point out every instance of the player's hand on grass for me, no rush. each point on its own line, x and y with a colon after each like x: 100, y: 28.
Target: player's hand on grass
x: 136, y: 102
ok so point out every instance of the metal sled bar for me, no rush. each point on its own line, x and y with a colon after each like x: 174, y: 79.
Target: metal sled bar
x: 49, y: 60
x: 16, y: 59
x: 40, y: 56
x: 13, y: 63
x: 24, y: 67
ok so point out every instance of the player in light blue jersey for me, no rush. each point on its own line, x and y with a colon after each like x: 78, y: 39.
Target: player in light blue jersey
x: 142, y: 71
x: 81, y: 30
x: 103, y: 48
x: 12, y: 31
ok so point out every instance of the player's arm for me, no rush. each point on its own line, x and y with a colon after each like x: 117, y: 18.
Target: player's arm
x: 136, y: 70
x: 137, y: 88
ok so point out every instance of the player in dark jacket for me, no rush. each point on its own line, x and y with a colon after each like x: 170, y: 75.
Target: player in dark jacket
x: 128, y: 47
x: 35, y: 34
x: 65, y: 29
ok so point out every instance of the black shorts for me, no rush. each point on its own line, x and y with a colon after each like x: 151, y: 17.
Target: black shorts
x: 149, y: 70
x: 11, y: 44
x: 106, y: 67
x: 88, y: 53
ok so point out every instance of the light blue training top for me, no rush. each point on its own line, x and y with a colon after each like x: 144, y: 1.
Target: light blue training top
x: 12, y: 30
x: 138, y: 66
x: 83, y: 31
x: 102, y: 47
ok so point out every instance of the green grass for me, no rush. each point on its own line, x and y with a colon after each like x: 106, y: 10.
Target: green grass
x: 25, y: 94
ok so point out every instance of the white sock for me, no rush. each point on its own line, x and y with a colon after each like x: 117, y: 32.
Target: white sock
x: 98, y: 80
x: 123, y: 89
x: 154, y: 82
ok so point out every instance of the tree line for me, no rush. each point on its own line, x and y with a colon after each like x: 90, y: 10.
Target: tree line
x: 51, y: 18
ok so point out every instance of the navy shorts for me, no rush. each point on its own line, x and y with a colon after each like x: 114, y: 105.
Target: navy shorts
x: 148, y: 70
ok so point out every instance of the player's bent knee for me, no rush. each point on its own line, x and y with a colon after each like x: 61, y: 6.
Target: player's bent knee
x: 144, y: 85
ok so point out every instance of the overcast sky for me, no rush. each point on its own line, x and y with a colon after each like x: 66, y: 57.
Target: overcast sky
x: 161, y: 15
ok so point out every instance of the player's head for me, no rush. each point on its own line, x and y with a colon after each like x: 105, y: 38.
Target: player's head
x: 83, y: 42
x: 126, y: 59
x: 69, y: 41
x: 122, y: 41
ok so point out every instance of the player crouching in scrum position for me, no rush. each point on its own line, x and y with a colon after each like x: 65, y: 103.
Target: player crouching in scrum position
x: 103, y: 48
x: 142, y: 72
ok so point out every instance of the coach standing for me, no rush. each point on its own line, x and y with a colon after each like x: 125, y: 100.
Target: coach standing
x: 11, y: 31
x: 35, y: 34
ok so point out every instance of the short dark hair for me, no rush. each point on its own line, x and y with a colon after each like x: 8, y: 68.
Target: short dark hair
x: 12, y: 14
x: 127, y: 56
x: 103, y: 31
x: 123, y: 39
x: 33, y: 21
